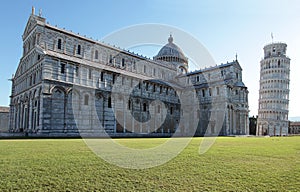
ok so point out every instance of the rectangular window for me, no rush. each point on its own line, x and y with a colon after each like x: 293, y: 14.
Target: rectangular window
x: 90, y: 74
x: 113, y: 78
x: 209, y: 90
x: 96, y: 54
x: 218, y: 90
x: 62, y: 68
x: 110, y: 58
x: 78, y: 49
x: 198, y: 79
x: 145, y: 69
x: 101, y: 76
x: 203, y: 92
x: 134, y: 67
x: 123, y: 62
x: 109, y: 102
x: 76, y: 71
x: 86, y: 100
x: 59, y: 44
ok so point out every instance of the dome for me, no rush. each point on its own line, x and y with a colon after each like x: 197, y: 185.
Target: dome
x: 239, y: 84
x: 171, y: 53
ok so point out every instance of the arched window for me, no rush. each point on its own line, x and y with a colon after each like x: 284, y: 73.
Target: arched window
x: 59, y: 44
x: 109, y: 102
x: 171, y: 110
x: 96, y: 54
x: 78, y: 49
x: 86, y: 100
x: 144, y: 107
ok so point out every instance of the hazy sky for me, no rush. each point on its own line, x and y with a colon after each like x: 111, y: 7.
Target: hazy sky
x: 223, y: 27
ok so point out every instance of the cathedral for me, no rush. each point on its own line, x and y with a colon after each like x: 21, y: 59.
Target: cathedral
x: 67, y: 85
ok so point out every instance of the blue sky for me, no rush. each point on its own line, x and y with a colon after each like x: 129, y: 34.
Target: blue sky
x: 223, y: 27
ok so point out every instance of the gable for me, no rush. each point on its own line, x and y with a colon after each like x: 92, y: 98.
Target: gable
x: 31, y: 23
x: 29, y: 26
x: 237, y: 65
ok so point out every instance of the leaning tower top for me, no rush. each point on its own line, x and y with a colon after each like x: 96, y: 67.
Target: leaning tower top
x: 275, y: 49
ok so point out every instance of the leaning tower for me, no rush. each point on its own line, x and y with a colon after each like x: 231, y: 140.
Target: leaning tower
x: 274, y: 91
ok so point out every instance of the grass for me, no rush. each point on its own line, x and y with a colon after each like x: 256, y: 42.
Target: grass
x: 232, y: 164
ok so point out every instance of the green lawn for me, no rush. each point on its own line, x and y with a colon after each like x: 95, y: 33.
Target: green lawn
x: 232, y: 164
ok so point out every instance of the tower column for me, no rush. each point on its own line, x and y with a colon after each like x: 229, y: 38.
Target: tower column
x: 274, y: 91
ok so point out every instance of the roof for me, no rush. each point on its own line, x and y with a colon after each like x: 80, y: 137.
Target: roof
x: 234, y: 62
x: 171, y: 50
x: 239, y: 84
x: 4, y: 109
x: 109, y: 68
x: 295, y: 123
x: 96, y: 65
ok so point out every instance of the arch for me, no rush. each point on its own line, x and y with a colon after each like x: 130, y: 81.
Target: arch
x: 99, y: 96
x: 183, y: 69
x: 58, y: 107
x: 59, y: 88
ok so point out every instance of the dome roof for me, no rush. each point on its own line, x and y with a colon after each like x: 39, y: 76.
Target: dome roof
x: 171, y: 52
x: 239, y: 84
